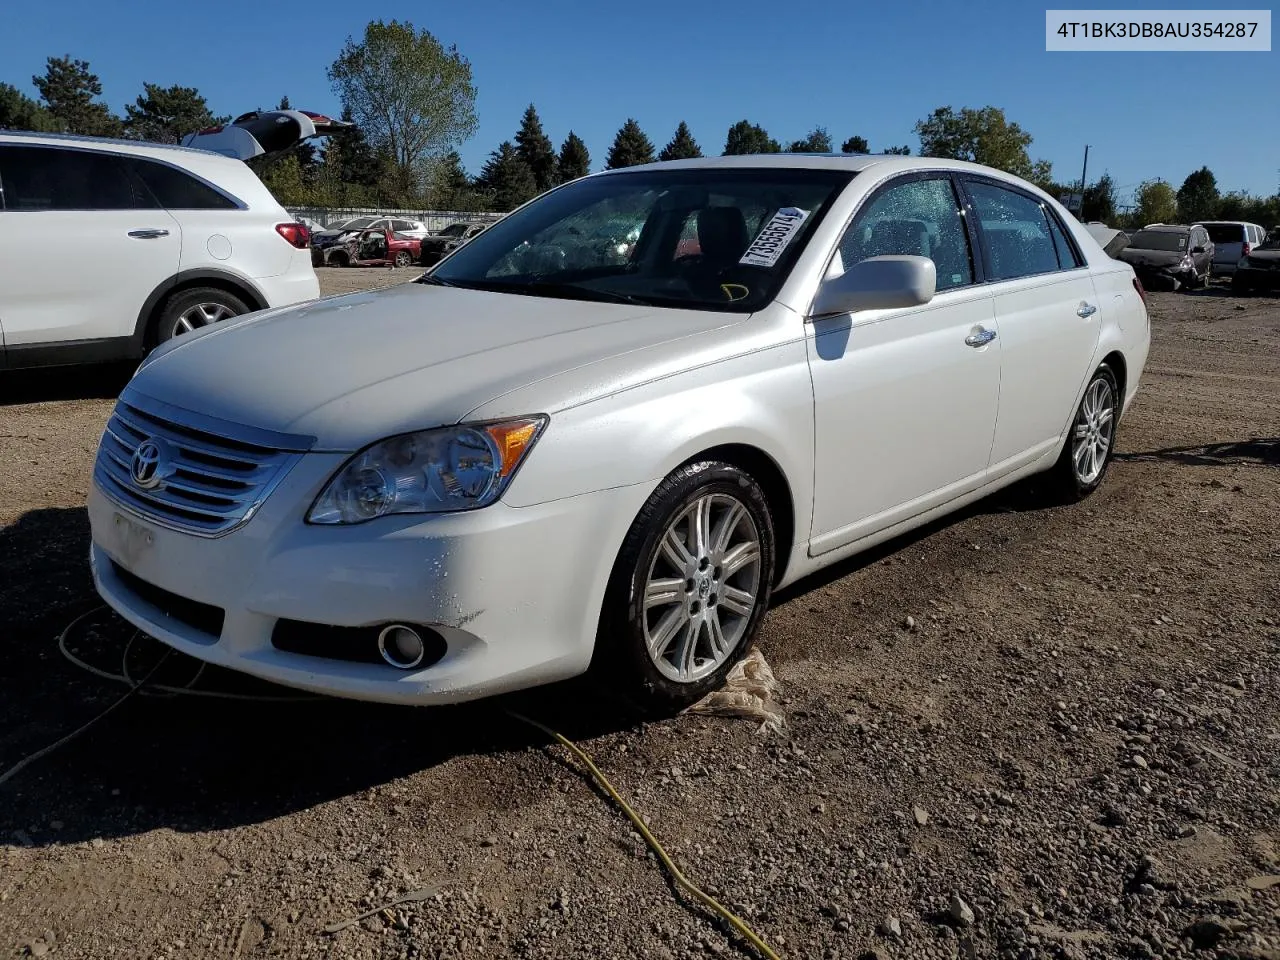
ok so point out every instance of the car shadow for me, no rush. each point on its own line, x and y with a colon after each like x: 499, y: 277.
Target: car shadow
x: 88, y: 382
x: 196, y: 763
x: 1265, y: 451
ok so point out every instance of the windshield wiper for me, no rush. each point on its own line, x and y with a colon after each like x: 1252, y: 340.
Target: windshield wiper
x: 435, y: 281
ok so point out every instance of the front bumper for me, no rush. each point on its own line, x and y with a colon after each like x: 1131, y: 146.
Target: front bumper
x: 515, y: 592
x: 1252, y: 278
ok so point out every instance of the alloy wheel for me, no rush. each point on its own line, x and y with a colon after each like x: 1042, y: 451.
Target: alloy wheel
x: 201, y: 315
x: 702, y: 587
x: 1093, y: 432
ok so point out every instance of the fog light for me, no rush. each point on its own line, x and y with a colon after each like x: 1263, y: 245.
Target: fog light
x: 401, y: 646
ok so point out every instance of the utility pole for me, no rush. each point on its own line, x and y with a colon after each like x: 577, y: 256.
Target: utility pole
x: 1083, y: 174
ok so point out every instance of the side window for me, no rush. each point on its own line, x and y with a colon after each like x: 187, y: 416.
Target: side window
x: 1067, y: 258
x: 176, y: 190
x: 916, y: 217
x: 401, y: 226
x: 45, y: 178
x: 1016, y: 232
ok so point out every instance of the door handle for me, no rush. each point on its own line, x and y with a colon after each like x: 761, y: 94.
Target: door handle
x: 980, y: 338
x: 1086, y: 310
x: 151, y: 233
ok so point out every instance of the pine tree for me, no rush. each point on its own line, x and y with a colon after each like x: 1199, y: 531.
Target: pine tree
x: 68, y: 89
x: 574, y: 161
x: 855, y: 144
x: 167, y: 114
x: 451, y: 187
x: 682, y: 145
x: 20, y: 112
x: 630, y: 147
x: 506, y: 179
x: 535, y: 149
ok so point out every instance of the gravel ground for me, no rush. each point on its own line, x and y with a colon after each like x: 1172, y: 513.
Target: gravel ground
x: 1021, y: 733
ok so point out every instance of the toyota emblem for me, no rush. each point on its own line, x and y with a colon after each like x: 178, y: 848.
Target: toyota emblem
x: 147, y: 468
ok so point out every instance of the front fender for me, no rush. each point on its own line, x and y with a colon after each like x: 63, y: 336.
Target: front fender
x: 640, y: 435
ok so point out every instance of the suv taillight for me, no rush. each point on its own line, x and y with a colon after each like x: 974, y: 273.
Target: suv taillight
x: 1137, y: 285
x: 1244, y: 250
x: 296, y: 233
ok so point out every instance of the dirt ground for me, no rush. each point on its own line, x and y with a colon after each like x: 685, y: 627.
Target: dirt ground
x: 1021, y: 733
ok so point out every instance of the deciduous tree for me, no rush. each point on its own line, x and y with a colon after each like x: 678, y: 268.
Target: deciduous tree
x: 855, y: 145
x: 1157, y: 203
x: 413, y: 96
x: 1198, y: 197
x: 982, y: 136
x: 1099, y: 202
x: 818, y: 141
x: 747, y: 137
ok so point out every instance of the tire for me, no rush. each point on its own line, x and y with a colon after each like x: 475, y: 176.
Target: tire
x: 403, y: 258
x: 1079, y: 472
x: 687, y: 594
x: 197, y: 307
x: 339, y: 258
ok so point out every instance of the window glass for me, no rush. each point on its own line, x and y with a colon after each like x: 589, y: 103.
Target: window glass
x: 1016, y: 231
x: 177, y: 190
x: 1225, y: 232
x: 44, y: 178
x: 401, y: 225
x: 919, y: 218
x: 615, y: 238
x: 1067, y: 258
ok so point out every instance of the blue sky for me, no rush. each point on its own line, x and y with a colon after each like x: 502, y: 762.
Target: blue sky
x: 789, y: 66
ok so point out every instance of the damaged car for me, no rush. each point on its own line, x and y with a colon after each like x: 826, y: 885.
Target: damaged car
x: 437, y: 246
x: 1259, y: 269
x: 1177, y: 256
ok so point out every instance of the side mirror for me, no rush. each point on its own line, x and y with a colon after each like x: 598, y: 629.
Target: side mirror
x: 878, y: 283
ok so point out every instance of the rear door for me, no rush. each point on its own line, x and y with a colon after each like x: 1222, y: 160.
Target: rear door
x: 1048, y: 315
x: 1228, y: 244
x: 83, y: 244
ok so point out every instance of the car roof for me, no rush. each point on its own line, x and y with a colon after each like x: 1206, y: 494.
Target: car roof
x: 79, y: 140
x: 1226, y: 223
x: 1167, y: 227
x: 812, y: 161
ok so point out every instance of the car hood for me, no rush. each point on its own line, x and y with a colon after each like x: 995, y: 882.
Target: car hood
x: 1140, y: 257
x: 350, y: 370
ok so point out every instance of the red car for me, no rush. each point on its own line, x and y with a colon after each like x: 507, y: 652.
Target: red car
x: 375, y: 248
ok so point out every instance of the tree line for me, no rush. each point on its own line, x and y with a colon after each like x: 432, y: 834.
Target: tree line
x: 412, y: 102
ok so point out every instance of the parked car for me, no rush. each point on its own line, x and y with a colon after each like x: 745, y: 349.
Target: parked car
x: 342, y: 232
x: 109, y: 247
x: 1110, y: 239
x: 375, y: 248
x: 493, y: 478
x: 1260, y: 269
x: 437, y: 246
x: 1175, y: 254
x: 1232, y: 241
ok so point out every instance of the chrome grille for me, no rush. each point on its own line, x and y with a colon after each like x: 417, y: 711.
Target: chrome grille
x: 210, y: 481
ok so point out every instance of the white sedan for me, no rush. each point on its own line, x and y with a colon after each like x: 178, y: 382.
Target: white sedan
x: 542, y: 458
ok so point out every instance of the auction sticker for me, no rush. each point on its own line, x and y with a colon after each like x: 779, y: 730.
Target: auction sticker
x: 774, y: 238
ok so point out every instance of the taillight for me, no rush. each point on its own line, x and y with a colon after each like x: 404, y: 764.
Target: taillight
x: 217, y: 129
x: 1244, y: 251
x: 1137, y: 285
x: 296, y: 233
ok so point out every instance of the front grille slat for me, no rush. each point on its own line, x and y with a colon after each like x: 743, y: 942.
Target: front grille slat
x: 210, y: 484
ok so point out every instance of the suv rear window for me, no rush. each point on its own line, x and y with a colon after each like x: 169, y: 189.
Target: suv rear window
x: 179, y: 191
x: 1159, y: 240
x: 1226, y: 232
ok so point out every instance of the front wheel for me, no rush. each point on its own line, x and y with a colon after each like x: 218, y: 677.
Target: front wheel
x: 1090, y: 442
x: 690, y: 586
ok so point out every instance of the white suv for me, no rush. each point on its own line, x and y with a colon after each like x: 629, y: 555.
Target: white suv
x: 108, y: 247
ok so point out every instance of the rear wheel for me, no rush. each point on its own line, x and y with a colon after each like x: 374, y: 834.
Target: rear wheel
x: 1090, y: 442
x: 189, y: 310
x: 403, y: 258
x: 690, y: 586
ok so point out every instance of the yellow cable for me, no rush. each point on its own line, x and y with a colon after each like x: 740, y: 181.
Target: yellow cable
x: 681, y: 880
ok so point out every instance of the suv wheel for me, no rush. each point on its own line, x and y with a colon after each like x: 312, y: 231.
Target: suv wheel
x: 198, y: 307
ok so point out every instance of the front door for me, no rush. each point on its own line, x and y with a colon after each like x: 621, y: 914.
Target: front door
x: 904, y: 400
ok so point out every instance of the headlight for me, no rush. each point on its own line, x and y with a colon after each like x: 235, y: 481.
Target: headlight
x: 434, y: 471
